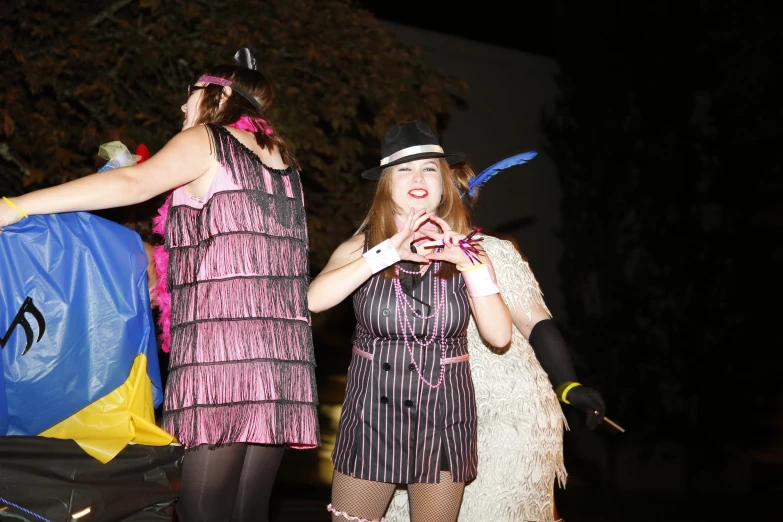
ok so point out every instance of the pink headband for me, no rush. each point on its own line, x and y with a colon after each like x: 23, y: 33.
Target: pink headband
x: 228, y: 83
x: 216, y: 80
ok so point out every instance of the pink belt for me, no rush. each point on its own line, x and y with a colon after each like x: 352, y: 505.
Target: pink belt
x: 447, y: 360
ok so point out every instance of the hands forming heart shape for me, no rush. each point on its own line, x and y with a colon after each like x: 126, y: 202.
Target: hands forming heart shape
x: 447, y: 245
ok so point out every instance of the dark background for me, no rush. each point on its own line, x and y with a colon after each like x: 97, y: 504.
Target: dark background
x: 528, y: 27
x: 664, y: 142
x: 670, y: 207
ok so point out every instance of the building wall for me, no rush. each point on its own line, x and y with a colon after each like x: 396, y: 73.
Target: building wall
x: 509, y: 89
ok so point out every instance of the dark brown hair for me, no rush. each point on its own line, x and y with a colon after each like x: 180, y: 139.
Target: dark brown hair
x: 236, y: 106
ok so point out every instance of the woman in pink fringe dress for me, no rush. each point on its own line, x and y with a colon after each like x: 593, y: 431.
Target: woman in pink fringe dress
x: 232, y: 289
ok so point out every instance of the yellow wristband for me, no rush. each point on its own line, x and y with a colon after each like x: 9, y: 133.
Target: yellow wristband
x: 566, y: 390
x: 15, y: 207
x: 471, y: 268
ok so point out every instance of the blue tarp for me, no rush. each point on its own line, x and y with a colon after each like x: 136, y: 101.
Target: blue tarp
x: 87, y: 277
x: 3, y: 403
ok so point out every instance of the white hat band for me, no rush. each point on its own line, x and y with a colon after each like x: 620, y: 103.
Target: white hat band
x: 410, y: 151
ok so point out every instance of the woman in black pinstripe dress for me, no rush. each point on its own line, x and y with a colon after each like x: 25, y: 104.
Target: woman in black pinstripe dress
x: 409, y: 415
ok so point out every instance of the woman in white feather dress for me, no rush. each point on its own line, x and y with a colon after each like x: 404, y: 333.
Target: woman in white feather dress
x: 520, y: 421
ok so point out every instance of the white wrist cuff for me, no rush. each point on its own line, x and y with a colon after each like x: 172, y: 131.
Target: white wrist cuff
x: 381, y: 256
x: 480, y: 281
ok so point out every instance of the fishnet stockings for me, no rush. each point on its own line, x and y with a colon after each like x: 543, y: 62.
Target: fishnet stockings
x: 367, y: 499
x: 359, y: 498
x: 436, y: 502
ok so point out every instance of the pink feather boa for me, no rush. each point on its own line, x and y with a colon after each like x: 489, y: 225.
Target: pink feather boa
x: 160, y: 257
x: 253, y: 125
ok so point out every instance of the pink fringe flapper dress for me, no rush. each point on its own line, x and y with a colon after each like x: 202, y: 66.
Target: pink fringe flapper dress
x: 232, y: 293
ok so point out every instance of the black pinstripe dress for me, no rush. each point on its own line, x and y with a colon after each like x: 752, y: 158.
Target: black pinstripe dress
x: 393, y: 426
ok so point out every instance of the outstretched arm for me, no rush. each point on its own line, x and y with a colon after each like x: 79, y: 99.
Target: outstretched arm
x: 183, y: 159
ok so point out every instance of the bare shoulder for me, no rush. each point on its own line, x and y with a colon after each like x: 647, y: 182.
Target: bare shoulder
x: 196, y: 136
x: 193, y: 143
x: 269, y: 157
x: 185, y: 158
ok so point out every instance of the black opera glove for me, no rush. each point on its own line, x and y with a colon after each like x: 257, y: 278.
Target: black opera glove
x: 552, y: 352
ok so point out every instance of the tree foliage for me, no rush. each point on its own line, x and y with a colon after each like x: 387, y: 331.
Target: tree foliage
x: 79, y: 74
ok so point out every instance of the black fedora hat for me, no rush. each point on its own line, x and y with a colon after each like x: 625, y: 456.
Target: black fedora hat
x: 409, y: 141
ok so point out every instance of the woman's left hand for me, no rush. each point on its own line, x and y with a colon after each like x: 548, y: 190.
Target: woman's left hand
x: 449, y: 240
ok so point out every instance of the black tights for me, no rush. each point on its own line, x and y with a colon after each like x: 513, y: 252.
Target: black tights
x: 229, y: 483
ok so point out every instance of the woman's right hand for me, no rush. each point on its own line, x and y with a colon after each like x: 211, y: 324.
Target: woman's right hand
x: 8, y: 215
x: 403, y: 239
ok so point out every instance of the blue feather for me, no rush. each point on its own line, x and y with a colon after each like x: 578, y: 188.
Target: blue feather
x: 486, y: 174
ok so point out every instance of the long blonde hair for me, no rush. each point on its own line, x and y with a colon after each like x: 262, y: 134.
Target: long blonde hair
x: 379, y: 225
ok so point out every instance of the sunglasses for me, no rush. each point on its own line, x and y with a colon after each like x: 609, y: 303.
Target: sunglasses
x: 193, y: 88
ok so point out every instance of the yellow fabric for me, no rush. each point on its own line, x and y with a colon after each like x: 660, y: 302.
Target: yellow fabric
x: 126, y: 415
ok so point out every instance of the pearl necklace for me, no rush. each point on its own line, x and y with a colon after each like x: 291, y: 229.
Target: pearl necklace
x: 439, y: 302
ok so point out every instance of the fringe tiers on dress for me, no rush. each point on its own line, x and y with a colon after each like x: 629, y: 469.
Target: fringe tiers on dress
x: 236, y: 268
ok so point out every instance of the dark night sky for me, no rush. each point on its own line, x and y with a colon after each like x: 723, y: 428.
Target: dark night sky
x: 492, y: 22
